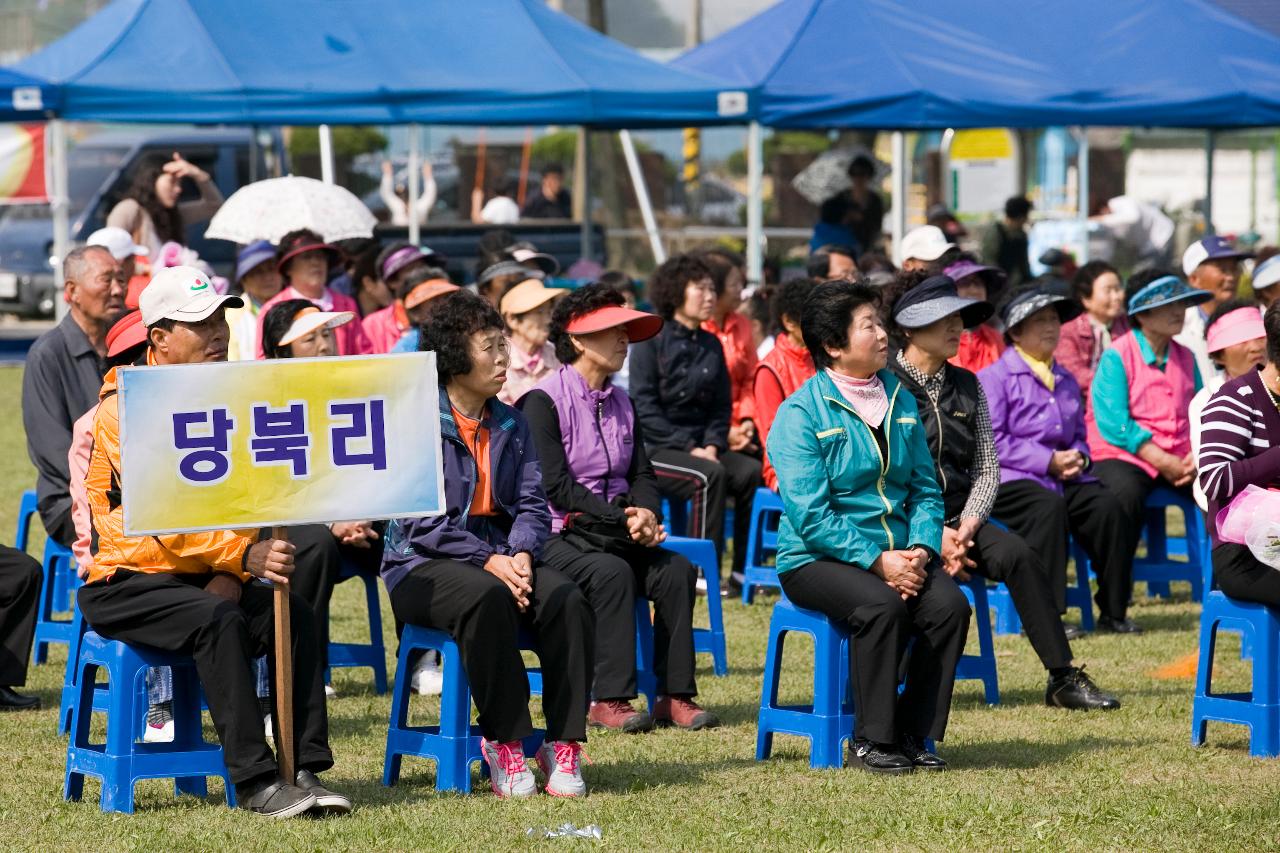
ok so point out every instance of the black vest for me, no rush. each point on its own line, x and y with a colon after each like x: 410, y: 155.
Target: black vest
x: 953, y: 442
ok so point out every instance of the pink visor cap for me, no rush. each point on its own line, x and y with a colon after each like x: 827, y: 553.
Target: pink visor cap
x: 1243, y: 324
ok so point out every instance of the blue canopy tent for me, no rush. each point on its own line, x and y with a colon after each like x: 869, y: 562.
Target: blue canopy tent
x: 25, y: 98
x: 319, y: 62
x: 935, y: 64
x: 485, y: 62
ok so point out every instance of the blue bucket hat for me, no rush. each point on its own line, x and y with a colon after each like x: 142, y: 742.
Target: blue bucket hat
x: 253, y: 255
x: 1166, y: 291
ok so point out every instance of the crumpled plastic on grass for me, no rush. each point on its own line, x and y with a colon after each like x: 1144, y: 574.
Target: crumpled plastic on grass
x: 565, y: 830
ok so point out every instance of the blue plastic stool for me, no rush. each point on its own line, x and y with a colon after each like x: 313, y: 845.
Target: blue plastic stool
x: 372, y: 654
x: 1156, y: 568
x: 57, y: 561
x: 828, y: 721
x: 982, y: 666
x: 454, y: 744
x: 1259, y: 709
x: 762, y: 544
x: 26, y: 509
x: 709, y: 640
x: 122, y: 760
x: 70, y: 691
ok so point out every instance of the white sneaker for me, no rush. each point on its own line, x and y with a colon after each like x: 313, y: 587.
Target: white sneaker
x: 329, y: 692
x: 162, y: 733
x: 700, y: 585
x: 428, y: 679
x: 509, y: 775
x: 267, y: 731
x: 559, y: 763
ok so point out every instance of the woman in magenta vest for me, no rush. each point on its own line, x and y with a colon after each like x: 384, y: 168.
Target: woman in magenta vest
x: 1139, y: 433
x: 606, y: 511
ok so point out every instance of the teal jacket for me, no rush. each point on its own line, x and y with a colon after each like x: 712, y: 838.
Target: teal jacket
x: 842, y: 500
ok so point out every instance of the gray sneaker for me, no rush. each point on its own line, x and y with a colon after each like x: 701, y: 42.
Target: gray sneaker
x: 327, y: 802
x: 509, y: 774
x: 277, y: 799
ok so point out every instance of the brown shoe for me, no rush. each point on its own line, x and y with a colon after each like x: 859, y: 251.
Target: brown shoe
x: 682, y: 711
x: 618, y: 715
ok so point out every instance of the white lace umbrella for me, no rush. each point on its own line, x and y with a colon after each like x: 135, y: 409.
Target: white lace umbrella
x: 267, y: 210
x: 829, y: 173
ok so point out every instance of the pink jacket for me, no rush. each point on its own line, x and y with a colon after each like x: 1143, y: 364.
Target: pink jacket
x: 351, y: 337
x: 78, y: 467
x: 384, y: 327
x: 1080, y: 347
x: 1158, y: 400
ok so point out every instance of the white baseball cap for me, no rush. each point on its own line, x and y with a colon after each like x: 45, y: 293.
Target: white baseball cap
x: 926, y: 243
x: 116, y: 241
x: 308, y: 320
x: 1208, y: 249
x: 184, y: 294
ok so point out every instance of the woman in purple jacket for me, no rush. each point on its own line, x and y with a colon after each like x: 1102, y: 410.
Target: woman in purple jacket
x: 476, y: 571
x: 605, y: 506
x: 1038, y: 419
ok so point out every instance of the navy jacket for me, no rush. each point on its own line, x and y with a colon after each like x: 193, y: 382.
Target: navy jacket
x: 680, y: 386
x: 523, y: 522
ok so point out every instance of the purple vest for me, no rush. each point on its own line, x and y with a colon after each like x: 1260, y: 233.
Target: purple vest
x: 597, y: 429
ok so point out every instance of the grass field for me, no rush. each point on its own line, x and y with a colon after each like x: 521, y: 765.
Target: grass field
x: 1024, y: 776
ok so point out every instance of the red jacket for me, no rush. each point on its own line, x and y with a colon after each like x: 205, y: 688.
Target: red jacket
x: 1080, y: 348
x: 784, y: 369
x: 740, y: 357
x: 979, y: 348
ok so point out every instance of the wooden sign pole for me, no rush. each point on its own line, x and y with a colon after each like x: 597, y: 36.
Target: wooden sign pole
x: 284, y: 676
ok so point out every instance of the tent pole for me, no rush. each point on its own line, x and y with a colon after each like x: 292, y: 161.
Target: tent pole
x: 899, y: 213
x: 582, y: 194
x: 755, y: 204
x: 1210, y: 143
x: 415, y: 166
x: 326, y: 154
x: 1082, y: 192
x: 60, y: 205
x: 642, y: 196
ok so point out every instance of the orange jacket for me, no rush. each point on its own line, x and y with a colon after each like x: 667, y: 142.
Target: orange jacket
x: 181, y: 554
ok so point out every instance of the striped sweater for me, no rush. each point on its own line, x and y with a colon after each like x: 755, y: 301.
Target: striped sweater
x: 1239, y: 443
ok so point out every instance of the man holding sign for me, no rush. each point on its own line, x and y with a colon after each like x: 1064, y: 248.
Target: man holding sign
x: 196, y: 593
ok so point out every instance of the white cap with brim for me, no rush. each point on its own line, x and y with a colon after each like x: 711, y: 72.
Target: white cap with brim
x: 926, y: 243
x: 184, y: 294
x: 308, y: 320
x: 1266, y: 273
x: 117, y: 241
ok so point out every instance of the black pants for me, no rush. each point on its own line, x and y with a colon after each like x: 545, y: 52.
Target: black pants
x: 709, y: 484
x: 20, y: 578
x: 479, y: 612
x: 1131, y: 487
x: 1098, y: 519
x: 318, y: 563
x: 1006, y: 557
x: 173, y: 613
x: 611, y: 585
x: 55, y: 514
x: 881, y: 624
x: 1243, y: 577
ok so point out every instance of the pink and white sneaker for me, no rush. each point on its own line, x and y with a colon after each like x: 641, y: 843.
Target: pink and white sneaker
x: 559, y: 763
x: 509, y: 775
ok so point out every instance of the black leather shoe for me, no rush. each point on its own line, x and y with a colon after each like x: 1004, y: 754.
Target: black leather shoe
x: 1077, y: 692
x: 11, y: 700
x: 276, y: 799
x: 914, y: 748
x: 1073, y: 632
x: 1118, y: 626
x: 878, y: 757
x: 327, y: 802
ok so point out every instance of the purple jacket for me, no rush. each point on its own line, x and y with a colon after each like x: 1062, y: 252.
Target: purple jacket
x: 1030, y: 421
x: 515, y: 480
x: 597, y: 434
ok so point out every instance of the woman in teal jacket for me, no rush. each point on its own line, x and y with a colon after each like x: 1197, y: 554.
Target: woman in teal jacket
x: 860, y: 537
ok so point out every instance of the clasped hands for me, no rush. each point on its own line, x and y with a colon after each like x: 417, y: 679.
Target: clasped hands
x: 903, y: 570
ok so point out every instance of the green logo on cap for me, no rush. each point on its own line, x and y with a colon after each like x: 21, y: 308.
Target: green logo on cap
x: 200, y: 284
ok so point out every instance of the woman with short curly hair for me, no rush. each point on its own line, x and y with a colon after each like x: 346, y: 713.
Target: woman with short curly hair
x: 605, y: 507
x: 476, y: 572
x: 680, y: 385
